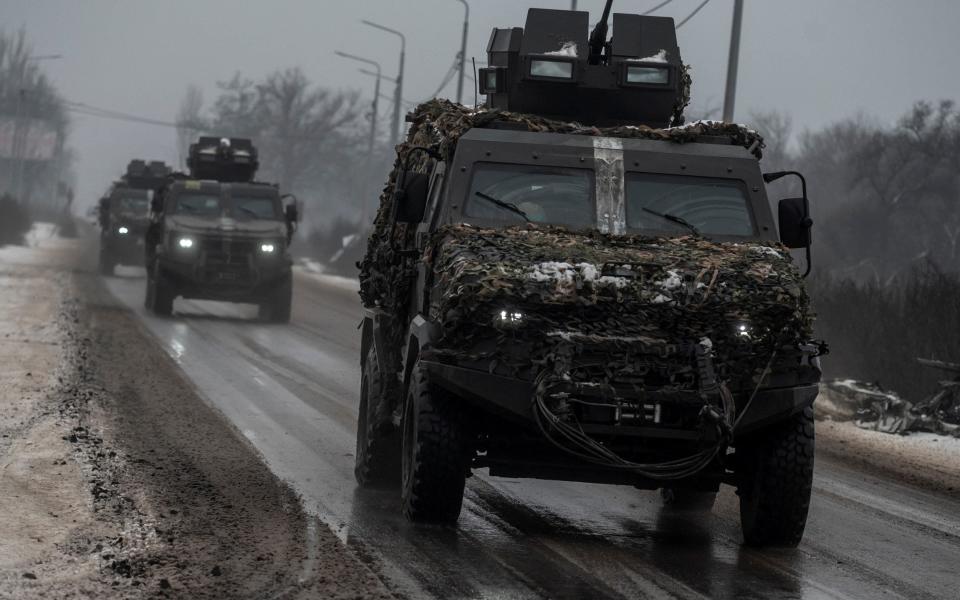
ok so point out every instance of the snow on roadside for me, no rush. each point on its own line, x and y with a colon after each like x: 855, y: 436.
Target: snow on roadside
x: 925, y: 456
x: 38, y: 235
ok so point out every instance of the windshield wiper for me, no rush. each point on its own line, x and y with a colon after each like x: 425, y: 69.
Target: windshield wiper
x: 505, y: 205
x: 674, y: 219
x: 250, y: 211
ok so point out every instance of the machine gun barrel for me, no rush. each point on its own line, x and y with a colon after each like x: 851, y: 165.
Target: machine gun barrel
x: 598, y: 37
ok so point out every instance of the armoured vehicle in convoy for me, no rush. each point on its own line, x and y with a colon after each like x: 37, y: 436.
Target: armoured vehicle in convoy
x: 123, y: 214
x: 571, y: 284
x: 217, y: 234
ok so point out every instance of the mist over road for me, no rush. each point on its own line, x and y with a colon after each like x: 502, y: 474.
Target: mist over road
x: 292, y: 391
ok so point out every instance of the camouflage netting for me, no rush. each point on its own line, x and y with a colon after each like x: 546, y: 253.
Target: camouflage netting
x: 559, y: 300
x: 683, y: 98
x: 734, y: 280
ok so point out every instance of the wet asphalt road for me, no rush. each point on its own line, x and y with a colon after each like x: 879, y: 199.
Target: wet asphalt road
x: 292, y: 392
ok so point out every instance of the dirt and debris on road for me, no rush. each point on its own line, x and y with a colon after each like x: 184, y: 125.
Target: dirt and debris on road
x: 117, y: 480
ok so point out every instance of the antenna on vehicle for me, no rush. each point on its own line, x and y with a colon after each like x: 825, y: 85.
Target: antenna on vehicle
x: 476, y: 84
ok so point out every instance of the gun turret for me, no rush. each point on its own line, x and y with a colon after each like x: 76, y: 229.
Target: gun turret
x: 142, y: 175
x: 223, y: 159
x: 551, y: 68
x: 598, y: 38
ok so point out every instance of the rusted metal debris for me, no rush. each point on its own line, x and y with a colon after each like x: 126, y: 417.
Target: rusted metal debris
x: 871, y: 407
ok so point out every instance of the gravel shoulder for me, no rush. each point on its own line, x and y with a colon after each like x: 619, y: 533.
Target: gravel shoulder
x: 118, y: 481
x: 926, y: 461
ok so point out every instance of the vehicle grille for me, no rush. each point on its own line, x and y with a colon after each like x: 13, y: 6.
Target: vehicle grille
x: 228, y: 261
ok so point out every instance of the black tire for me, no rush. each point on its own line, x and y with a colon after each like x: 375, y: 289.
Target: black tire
x: 161, y: 294
x: 150, y: 291
x: 107, y: 263
x: 688, y: 500
x: 279, y: 304
x: 775, y: 480
x: 378, y: 461
x: 435, y: 459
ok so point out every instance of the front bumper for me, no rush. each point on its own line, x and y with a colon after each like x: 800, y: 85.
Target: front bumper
x: 126, y: 249
x: 242, y: 278
x: 511, y: 398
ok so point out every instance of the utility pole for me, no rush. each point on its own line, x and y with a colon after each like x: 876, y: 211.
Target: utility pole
x: 573, y: 4
x: 463, y: 50
x: 730, y: 95
x: 375, y: 107
x: 397, y: 122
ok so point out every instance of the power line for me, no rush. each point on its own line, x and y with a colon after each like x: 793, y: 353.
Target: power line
x: 691, y: 15
x: 658, y: 7
x: 105, y: 113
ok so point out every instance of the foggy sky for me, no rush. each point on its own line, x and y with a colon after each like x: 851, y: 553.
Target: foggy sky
x: 817, y: 60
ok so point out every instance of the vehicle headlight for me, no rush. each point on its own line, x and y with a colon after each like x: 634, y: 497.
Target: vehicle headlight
x: 185, y: 242
x: 507, y: 318
x: 743, y: 329
x: 268, y: 247
x: 123, y: 230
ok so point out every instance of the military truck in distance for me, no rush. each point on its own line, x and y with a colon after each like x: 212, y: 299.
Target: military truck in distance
x: 124, y: 214
x: 217, y: 234
x: 604, y: 302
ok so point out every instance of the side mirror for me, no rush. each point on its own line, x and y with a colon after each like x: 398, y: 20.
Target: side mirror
x: 795, y: 223
x: 794, y: 216
x: 291, y: 213
x: 412, y: 199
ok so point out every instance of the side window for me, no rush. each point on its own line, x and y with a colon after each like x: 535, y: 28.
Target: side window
x: 436, y: 190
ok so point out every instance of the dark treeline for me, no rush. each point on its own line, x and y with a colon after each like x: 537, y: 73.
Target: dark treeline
x: 877, y: 331
x: 886, y: 202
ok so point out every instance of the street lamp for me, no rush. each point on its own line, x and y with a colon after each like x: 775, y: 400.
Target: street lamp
x: 380, y: 75
x: 18, y: 143
x: 373, y: 119
x: 397, y: 124
x: 463, y: 49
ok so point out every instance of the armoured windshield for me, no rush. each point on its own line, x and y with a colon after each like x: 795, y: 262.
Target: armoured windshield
x: 243, y: 208
x: 135, y: 205
x: 201, y: 205
x: 253, y: 207
x: 682, y: 204
x: 528, y: 193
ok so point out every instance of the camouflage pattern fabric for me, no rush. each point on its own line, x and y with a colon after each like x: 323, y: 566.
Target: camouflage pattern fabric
x: 552, y: 298
x: 387, y: 271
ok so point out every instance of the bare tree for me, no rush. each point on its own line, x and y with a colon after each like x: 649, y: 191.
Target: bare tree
x: 776, y: 129
x: 28, y: 99
x: 235, y: 110
x: 298, y: 124
x: 888, y: 195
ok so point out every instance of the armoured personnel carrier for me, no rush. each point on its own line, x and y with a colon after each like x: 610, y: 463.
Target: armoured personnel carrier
x: 569, y: 283
x: 123, y: 214
x: 217, y: 234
